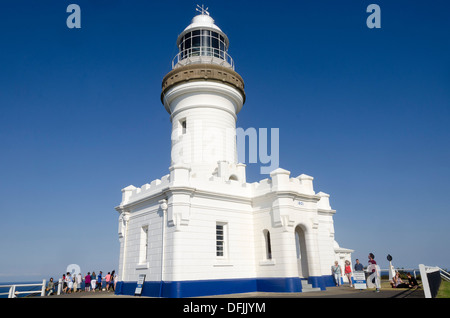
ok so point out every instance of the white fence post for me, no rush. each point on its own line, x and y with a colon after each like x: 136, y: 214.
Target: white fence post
x: 43, y: 288
x: 12, y: 292
x: 59, y: 286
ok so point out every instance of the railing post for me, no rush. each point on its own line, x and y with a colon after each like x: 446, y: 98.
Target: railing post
x: 43, y: 288
x: 12, y: 292
x: 59, y: 286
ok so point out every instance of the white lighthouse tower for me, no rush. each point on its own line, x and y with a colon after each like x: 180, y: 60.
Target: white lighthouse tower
x: 202, y: 229
x: 203, y: 95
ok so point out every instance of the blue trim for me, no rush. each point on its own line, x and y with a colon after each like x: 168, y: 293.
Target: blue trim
x: 182, y: 289
x: 322, y: 281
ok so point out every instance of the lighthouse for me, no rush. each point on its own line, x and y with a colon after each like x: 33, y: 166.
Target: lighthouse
x: 203, y: 95
x: 202, y: 229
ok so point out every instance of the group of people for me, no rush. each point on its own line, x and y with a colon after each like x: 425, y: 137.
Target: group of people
x: 395, y: 283
x: 398, y: 283
x: 92, y: 282
x: 337, y: 272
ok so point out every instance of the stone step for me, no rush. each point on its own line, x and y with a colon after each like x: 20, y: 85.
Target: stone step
x: 306, y: 287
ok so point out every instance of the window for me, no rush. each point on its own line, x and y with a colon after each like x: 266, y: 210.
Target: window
x: 203, y: 43
x: 268, y: 244
x: 221, y: 239
x: 183, y: 126
x: 143, y: 254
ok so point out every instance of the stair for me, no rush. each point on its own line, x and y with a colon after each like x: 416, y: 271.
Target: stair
x: 308, y: 287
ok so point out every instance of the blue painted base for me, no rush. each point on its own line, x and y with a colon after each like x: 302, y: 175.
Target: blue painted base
x: 182, y: 289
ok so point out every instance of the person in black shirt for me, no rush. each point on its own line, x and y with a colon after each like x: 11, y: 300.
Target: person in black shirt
x: 412, y: 281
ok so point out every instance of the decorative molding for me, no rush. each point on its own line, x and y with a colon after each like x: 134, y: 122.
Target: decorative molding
x: 202, y: 72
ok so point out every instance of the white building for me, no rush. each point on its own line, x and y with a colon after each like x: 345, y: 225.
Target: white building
x: 202, y: 229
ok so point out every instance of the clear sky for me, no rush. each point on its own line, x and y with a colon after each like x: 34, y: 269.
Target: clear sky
x: 364, y: 111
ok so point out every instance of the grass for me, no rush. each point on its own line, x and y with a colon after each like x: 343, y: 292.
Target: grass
x: 444, y: 290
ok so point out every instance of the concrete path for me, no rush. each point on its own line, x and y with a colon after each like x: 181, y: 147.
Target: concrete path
x: 331, y: 292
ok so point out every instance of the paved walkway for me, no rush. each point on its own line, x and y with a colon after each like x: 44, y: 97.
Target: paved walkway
x: 332, y: 292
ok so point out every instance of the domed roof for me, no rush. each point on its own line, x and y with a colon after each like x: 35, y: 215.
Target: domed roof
x: 202, y: 21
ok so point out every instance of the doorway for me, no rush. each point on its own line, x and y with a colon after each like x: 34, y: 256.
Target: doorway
x: 300, y: 246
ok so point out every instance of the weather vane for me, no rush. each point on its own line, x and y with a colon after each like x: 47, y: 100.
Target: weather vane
x: 202, y: 9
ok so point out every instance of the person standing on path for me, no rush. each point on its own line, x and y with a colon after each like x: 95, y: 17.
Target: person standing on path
x: 69, y: 282
x: 107, y: 280
x: 373, y: 266
x: 93, y: 281
x: 87, y: 282
x: 79, y: 281
x: 348, y: 272
x: 99, y: 281
x: 358, y: 266
x: 115, y: 278
x: 337, y: 273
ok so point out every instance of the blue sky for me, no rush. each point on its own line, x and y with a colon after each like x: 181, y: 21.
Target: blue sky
x: 364, y: 111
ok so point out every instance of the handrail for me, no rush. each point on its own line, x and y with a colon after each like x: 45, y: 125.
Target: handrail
x: 13, y: 293
x: 203, y: 54
x: 444, y: 275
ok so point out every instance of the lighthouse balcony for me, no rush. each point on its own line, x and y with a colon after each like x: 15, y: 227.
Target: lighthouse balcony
x: 203, y: 55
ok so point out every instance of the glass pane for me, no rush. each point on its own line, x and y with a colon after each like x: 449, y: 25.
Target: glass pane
x: 195, y: 51
x: 215, y: 43
x: 196, y: 41
x: 196, y: 32
x: 205, y: 32
x: 216, y: 53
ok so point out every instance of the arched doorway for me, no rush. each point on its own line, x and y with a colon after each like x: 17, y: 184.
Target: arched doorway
x: 302, y: 258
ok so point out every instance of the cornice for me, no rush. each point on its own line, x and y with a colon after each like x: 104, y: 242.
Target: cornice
x: 202, y: 72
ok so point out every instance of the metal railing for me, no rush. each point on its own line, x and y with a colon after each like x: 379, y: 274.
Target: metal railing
x: 444, y: 275
x: 13, y: 293
x: 203, y: 55
x: 410, y: 270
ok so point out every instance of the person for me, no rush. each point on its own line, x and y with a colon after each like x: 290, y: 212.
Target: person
x: 358, y: 266
x: 75, y: 284
x: 79, y: 281
x: 107, y: 280
x: 87, y: 282
x: 50, y: 287
x: 337, y: 273
x: 397, y: 282
x: 114, y: 277
x: 93, y: 281
x: 412, y: 281
x: 69, y: 282
x: 348, y: 272
x: 374, y: 266
x: 64, y: 286
x: 99, y: 281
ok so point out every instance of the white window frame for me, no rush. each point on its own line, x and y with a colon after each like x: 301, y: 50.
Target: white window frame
x: 143, y: 247
x: 221, y: 237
